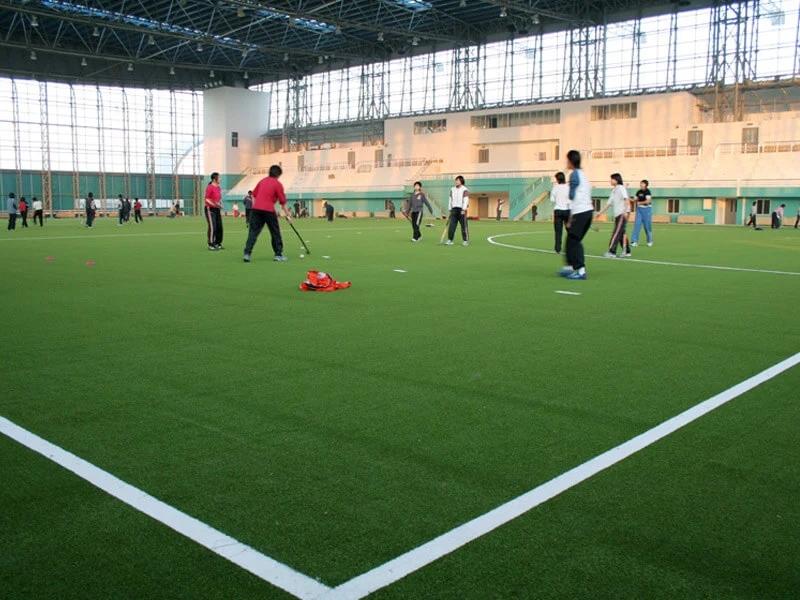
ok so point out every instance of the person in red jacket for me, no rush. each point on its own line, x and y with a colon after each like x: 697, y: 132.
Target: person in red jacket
x: 137, y: 211
x: 267, y: 192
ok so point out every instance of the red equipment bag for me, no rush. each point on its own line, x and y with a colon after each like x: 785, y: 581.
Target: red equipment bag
x: 319, y: 281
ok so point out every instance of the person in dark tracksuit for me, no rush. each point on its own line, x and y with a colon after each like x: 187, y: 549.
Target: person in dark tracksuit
x: 392, y: 210
x: 581, y: 210
x: 458, y: 205
x: 328, y: 210
x: 11, y: 207
x: 415, y: 209
x: 267, y: 192
x: 248, y: 207
x: 620, y: 200
x: 559, y: 196
x: 213, y: 212
x: 121, y: 210
x: 91, y: 209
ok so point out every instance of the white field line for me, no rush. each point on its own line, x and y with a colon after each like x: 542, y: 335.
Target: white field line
x: 492, y: 239
x: 419, y: 557
x: 568, y: 293
x: 244, y: 556
x: 121, y: 235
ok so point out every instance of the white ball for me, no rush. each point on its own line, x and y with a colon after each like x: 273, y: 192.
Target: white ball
x: 302, y: 256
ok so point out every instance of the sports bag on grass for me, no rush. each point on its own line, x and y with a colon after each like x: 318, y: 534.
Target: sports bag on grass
x: 319, y: 281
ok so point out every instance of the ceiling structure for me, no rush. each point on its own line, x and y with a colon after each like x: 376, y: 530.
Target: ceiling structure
x: 191, y: 44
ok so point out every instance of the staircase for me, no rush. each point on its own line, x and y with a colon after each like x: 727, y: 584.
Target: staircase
x: 537, y: 191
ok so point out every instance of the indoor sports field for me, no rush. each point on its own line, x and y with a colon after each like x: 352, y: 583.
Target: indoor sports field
x: 335, y: 432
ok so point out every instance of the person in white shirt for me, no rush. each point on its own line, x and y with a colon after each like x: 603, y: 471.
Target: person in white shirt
x: 620, y: 200
x: 559, y: 196
x: 458, y: 205
x: 753, y: 216
x: 581, y: 210
x: 38, y: 212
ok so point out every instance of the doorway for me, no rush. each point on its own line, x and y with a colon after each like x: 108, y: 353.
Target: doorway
x: 727, y: 211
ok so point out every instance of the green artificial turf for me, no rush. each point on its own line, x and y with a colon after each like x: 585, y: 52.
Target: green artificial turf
x: 334, y: 432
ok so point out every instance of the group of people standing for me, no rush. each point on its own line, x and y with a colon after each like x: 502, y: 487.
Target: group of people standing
x: 573, y: 211
x: 13, y: 208
x: 124, y: 207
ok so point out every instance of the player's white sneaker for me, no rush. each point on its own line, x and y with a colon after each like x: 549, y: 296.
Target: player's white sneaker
x: 466, y: 243
x: 448, y: 243
x: 634, y: 244
x: 650, y: 244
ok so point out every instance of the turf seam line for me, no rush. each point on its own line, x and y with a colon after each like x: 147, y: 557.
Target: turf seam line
x: 491, y: 240
x: 413, y: 560
x: 122, y: 235
x: 242, y: 555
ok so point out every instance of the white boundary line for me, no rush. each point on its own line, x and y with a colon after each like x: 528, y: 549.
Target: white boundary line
x: 244, y: 556
x: 491, y: 240
x: 419, y: 557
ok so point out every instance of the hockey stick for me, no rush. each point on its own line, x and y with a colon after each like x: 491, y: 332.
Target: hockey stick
x: 444, y: 232
x: 299, y: 237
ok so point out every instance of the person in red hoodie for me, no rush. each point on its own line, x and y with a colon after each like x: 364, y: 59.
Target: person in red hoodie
x: 23, y: 211
x: 267, y: 192
x: 137, y: 211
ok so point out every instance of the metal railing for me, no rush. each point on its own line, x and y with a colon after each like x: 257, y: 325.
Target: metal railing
x: 643, y: 152
x: 758, y: 148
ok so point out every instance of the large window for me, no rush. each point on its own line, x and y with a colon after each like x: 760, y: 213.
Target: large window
x: 674, y: 206
x: 607, y: 112
x: 656, y: 53
x: 516, y: 119
x: 431, y: 126
x: 100, y: 129
x: 763, y: 206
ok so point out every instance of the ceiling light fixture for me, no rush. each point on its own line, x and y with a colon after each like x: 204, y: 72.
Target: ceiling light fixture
x: 338, y: 30
x: 240, y: 12
x: 415, y: 41
x: 380, y: 36
x: 130, y: 66
x: 503, y: 12
x: 245, y: 52
x: 172, y: 70
x: 535, y: 19
x: 211, y: 74
x: 151, y: 41
x: 246, y: 75
x: 199, y: 47
x: 96, y: 32
x: 285, y: 58
x: 33, y: 54
x: 320, y: 60
x: 34, y: 21
x: 83, y: 62
x: 463, y: 3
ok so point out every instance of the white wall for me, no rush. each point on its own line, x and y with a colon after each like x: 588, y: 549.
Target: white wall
x: 660, y: 119
x: 226, y: 110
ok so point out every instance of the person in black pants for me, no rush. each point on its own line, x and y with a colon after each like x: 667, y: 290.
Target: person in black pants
x: 91, y: 209
x: 415, y: 207
x: 248, y: 207
x: 559, y: 196
x: 328, y: 211
x: 213, y: 212
x: 753, y: 215
x: 23, y: 211
x: 38, y: 212
x: 267, y: 192
x: 11, y: 207
x: 581, y: 212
